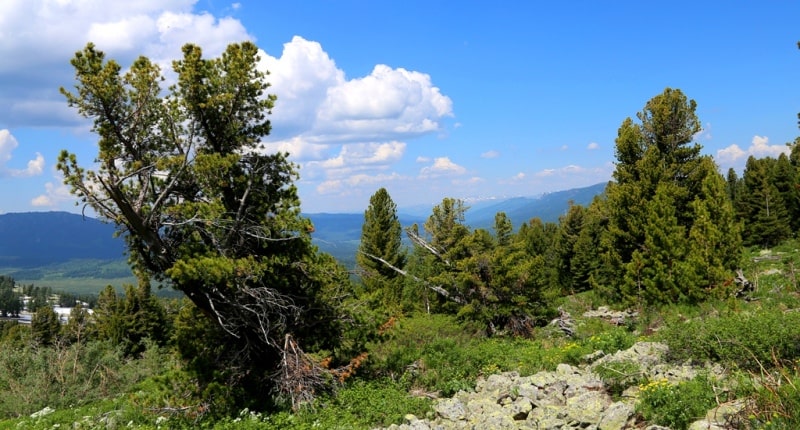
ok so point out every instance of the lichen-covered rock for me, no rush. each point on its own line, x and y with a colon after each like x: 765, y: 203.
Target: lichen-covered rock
x: 450, y: 409
x: 617, y: 416
x: 567, y: 398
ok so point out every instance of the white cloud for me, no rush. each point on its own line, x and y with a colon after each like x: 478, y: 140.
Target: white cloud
x: 490, y: 154
x: 592, y: 146
x: 40, y: 36
x: 564, y: 147
x: 421, y: 159
x: 442, y: 166
x: 759, y: 148
x: 360, y: 156
x: 55, y: 194
x: 8, y: 143
x: 470, y: 181
x: 316, y: 102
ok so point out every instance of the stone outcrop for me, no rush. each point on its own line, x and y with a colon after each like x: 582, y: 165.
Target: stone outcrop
x: 568, y: 398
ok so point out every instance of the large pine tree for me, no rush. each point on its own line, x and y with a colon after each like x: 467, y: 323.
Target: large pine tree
x: 380, y: 253
x: 660, y: 185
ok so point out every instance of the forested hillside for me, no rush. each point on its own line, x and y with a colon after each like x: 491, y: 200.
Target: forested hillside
x: 42, y: 238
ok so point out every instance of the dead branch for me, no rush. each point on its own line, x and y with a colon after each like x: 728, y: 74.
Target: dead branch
x: 435, y: 288
x: 299, y: 377
x: 418, y: 240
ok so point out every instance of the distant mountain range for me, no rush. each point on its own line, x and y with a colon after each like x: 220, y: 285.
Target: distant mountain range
x: 39, y: 239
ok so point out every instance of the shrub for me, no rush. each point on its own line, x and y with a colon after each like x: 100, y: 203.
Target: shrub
x: 619, y: 375
x: 746, y: 339
x: 776, y: 399
x: 66, y: 376
x: 676, y: 405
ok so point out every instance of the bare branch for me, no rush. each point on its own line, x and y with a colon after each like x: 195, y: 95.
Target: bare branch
x: 417, y: 239
x: 435, y: 288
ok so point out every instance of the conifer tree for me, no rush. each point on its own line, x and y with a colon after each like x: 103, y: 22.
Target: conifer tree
x: 503, y: 229
x: 659, y: 177
x: 380, y: 252
x: 585, y: 265
x: 45, y: 326
x: 569, y: 230
x: 761, y: 205
x: 182, y: 173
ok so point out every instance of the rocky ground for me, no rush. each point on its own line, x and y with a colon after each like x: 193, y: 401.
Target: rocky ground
x: 571, y: 397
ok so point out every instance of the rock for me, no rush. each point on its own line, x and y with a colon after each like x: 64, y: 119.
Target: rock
x: 43, y: 412
x: 519, y: 409
x: 568, y: 398
x: 450, y: 409
x: 616, y: 416
x: 587, y: 407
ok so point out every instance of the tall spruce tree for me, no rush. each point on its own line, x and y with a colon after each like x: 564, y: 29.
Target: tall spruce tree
x: 660, y: 176
x: 766, y: 219
x: 380, y: 253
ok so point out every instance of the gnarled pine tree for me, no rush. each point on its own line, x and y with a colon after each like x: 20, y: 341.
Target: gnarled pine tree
x: 204, y: 209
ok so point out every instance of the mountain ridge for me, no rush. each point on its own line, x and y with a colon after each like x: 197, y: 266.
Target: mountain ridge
x: 37, y: 239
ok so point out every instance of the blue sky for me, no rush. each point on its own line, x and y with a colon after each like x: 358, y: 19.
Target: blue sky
x: 429, y: 99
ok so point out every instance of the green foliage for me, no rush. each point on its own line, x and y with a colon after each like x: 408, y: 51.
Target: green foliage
x: 45, y: 326
x: 618, y: 376
x: 747, y: 339
x: 366, y: 405
x: 130, y: 320
x: 507, y: 283
x: 202, y: 208
x: 776, y: 399
x: 676, y: 405
x: 10, y: 303
x: 381, y: 240
x: 61, y: 376
x: 767, y: 187
x: 671, y: 231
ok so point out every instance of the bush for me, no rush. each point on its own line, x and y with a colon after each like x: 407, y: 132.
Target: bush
x: 32, y: 378
x: 776, y: 399
x: 619, y: 375
x: 745, y: 339
x: 676, y: 405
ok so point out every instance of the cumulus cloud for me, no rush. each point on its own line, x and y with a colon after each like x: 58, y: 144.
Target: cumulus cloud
x: 55, y: 194
x: 442, y: 166
x: 317, y: 103
x: 40, y: 36
x: 359, y: 156
x: 592, y: 146
x: 759, y: 147
x: 8, y: 143
x: 490, y: 154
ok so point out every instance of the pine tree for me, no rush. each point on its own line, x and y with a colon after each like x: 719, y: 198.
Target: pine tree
x: 659, y: 178
x: 585, y: 265
x: 503, y: 229
x: 45, y: 326
x: 205, y: 210
x: 380, y: 252
x: 761, y: 205
x: 569, y: 230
